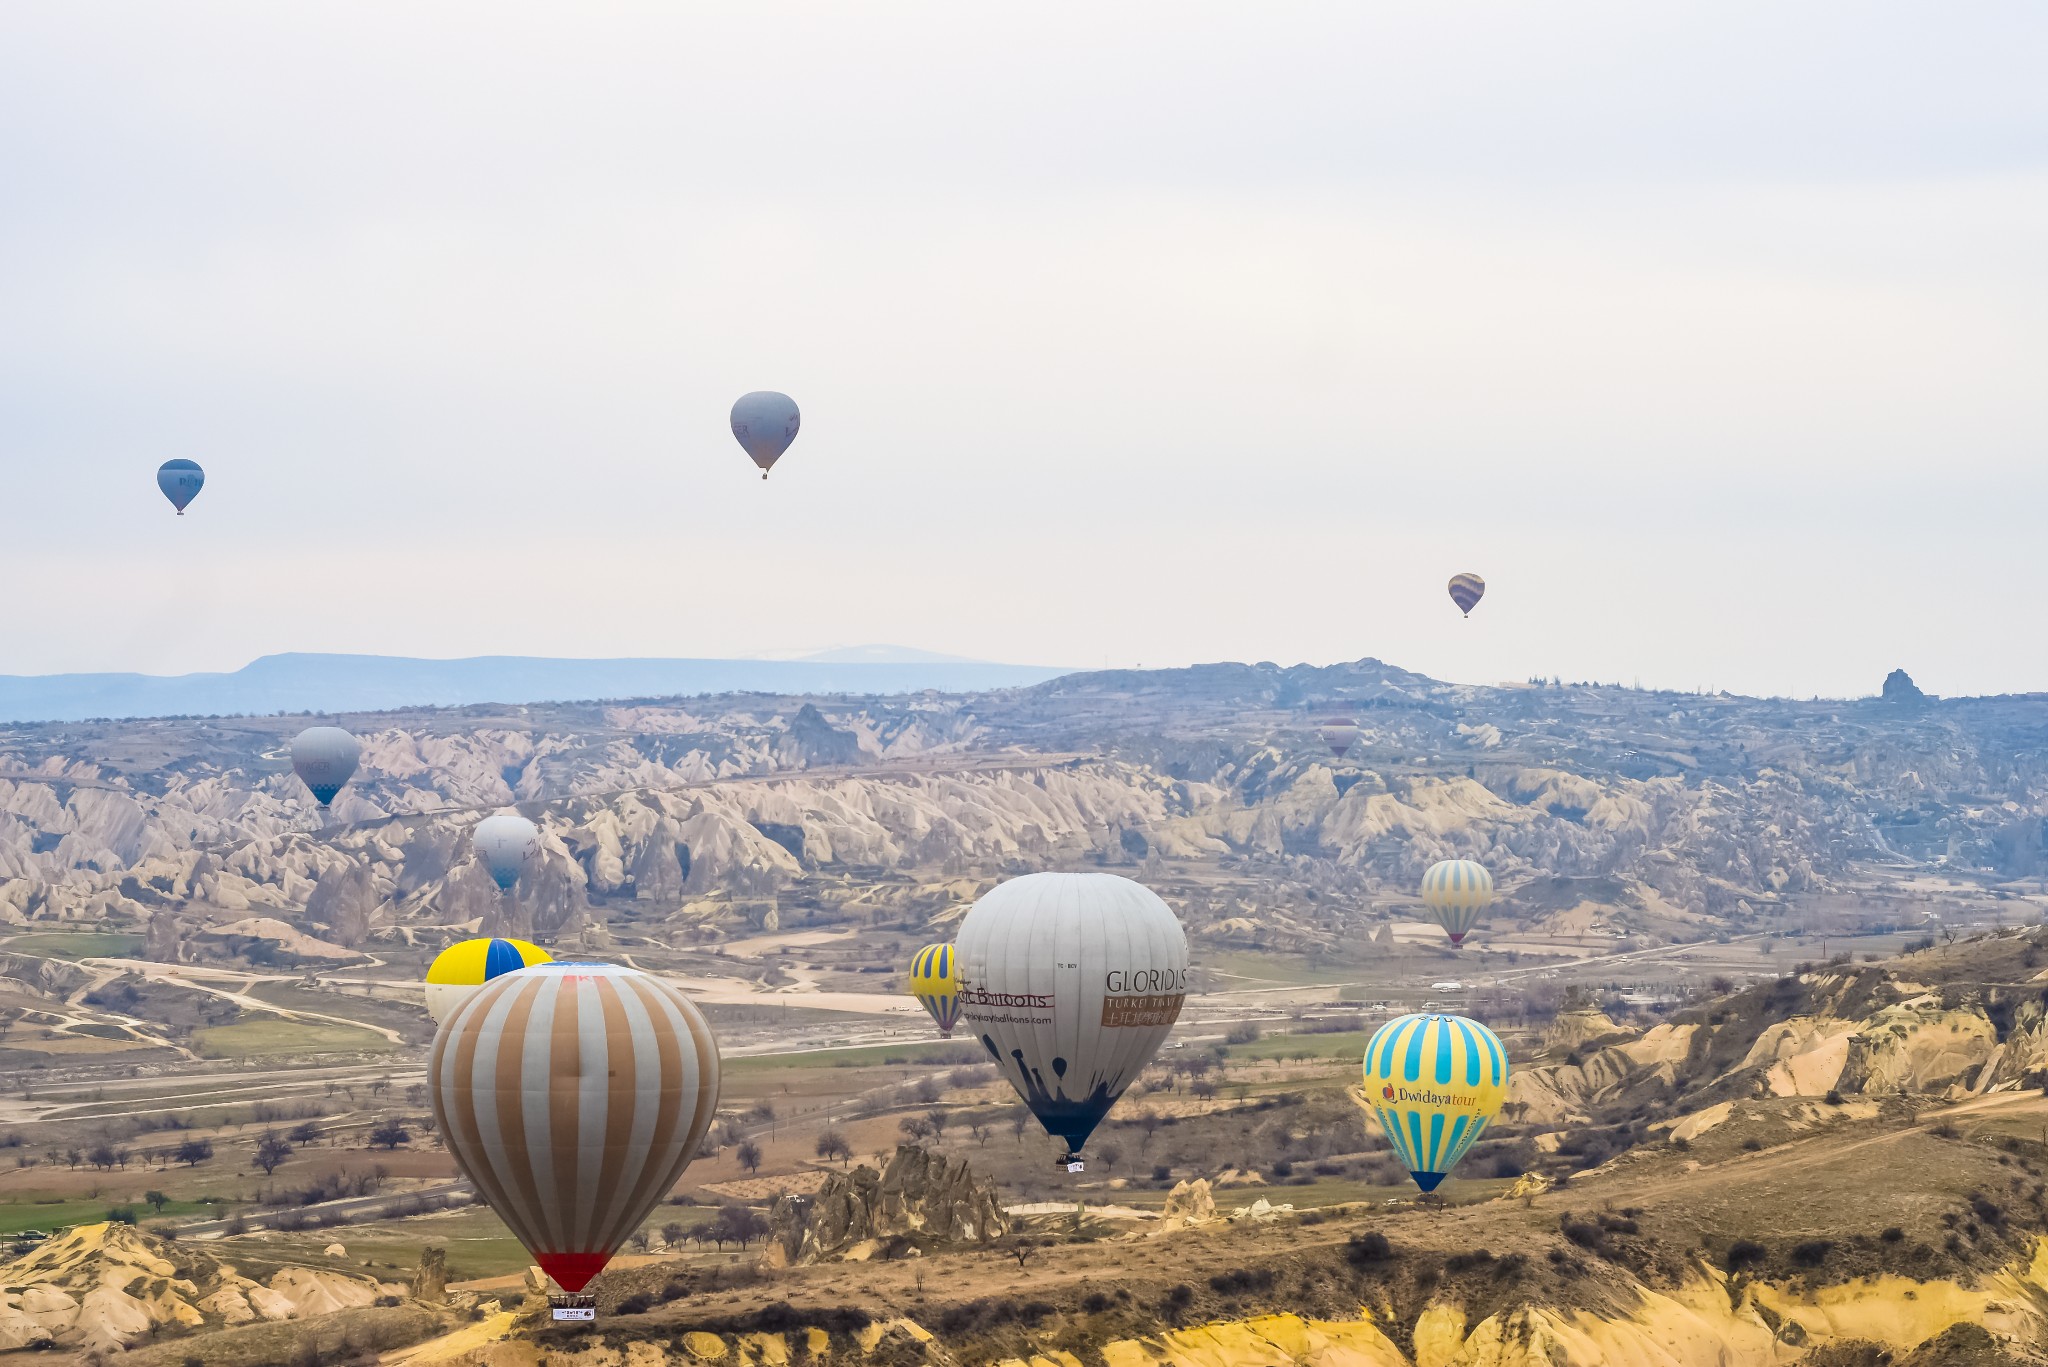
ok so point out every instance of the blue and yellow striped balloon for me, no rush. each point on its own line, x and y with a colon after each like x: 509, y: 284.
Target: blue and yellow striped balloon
x: 1455, y: 891
x: 935, y: 982
x: 1433, y: 1082
x: 466, y: 965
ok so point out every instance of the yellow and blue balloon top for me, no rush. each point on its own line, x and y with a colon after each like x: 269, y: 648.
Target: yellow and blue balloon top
x: 1433, y: 1082
x: 465, y: 966
x: 935, y: 982
x: 1455, y: 891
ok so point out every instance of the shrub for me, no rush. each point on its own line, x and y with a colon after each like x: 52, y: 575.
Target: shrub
x: 1095, y: 1302
x: 638, y: 1303
x: 1369, y: 1247
x: 1240, y: 1281
x: 1745, y: 1253
x: 1833, y: 1098
x: 1242, y: 1033
x: 1582, y: 1233
x: 1893, y: 1235
x: 1752, y: 1145
x: 1812, y: 1253
x: 1945, y: 1131
x: 1465, y: 1262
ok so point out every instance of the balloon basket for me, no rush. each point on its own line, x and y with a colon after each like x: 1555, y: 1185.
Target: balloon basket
x: 581, y: 1306
x: 1070, y: 1162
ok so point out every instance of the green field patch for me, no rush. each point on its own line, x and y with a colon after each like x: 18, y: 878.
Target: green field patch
x: 57, y: 944
x: 18, y: 1215
x: 267, y: 1035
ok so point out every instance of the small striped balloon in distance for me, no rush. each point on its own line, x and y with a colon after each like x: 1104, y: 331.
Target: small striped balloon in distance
x: 1454, y: 892
x: 572, y: 1096
x: 1340, y: 734
x: 466, y: 965
x: 935, y: 982
x: 181, y: 480
x: 1432, y: 1083
x: 1466, y: 591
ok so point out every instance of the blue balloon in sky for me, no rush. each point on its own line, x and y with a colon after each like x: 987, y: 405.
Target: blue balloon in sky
x: 181, y: 481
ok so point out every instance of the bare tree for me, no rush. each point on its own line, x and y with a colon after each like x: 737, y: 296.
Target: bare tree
x: 271, y: 1151
x: 749, y: 1155
x: 832, y: 1144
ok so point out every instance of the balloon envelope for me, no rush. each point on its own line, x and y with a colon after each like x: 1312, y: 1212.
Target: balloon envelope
x: 506, y: 843
x: 463, y: 967
x: 1071, y: 981
x: 935, y: 982
x: 572, y: 1097
x: 1340, y: 733
x: 1433, y: 1082
x: 765, y: 423
x: 1455, y: 891
x: 325, y: 758
x: 1466, y: 591
x: 181, y: 481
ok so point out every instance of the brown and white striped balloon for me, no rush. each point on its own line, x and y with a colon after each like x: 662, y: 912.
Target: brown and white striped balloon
x: 573, y: 1096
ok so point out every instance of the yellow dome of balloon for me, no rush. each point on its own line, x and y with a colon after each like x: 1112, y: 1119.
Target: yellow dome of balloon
x: 467, y: 965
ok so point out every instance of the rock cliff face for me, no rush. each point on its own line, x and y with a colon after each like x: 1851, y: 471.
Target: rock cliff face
x: 1614, y: 810
x: 1871, y: 1031
x: 921, y: 1195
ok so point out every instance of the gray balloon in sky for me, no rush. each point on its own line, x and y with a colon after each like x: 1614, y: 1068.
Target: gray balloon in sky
x: 1071, y: 981
x: 765, y: 423
x: 325, y: 757
x: 506, y: 843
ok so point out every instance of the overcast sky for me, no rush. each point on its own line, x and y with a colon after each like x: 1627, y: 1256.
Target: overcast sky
x: 1715, y: 336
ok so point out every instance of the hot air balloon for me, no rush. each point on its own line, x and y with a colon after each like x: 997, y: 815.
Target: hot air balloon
x: 324, y: 758
x: 1434, y: 1082
x: 506, y: 843
x: 1466, y: 591
x: 572, y: 1096
x: 1072, y: 981
x: 1340, y: 733
x: 181, y: 481
x: 466, y: 965
x: 935, y: 982
x: 1455, y: 891
x: 765, y: 423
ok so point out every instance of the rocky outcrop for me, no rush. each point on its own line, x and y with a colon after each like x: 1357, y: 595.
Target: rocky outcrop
x: 101, y: 1287
x: 1187, y: 1205
x: 430, y: 1279
x: 1900, y: 688
x: 920, y: 1195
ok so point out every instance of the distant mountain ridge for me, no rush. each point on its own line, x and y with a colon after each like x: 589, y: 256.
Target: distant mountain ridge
x: 373, y: 683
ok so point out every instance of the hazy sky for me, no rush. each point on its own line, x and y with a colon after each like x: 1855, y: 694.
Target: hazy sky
x: 1714, y: 335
